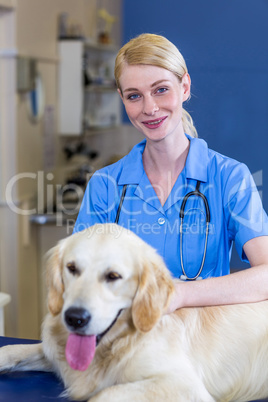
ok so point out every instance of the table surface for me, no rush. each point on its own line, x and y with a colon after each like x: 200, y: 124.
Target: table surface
x: 32, y: 386
x: 29, y: 386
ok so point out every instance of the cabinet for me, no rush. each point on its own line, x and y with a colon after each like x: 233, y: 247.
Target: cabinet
x: 88, y: 100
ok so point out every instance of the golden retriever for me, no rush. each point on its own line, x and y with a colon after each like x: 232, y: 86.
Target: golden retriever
x: 107, y: 337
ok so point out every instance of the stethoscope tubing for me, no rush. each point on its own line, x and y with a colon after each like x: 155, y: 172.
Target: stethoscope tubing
x: 121, y: 203
x: 197, y: 193
x: 184, y: 276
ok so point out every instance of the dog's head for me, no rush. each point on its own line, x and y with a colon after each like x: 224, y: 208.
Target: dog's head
x: 101, y: 271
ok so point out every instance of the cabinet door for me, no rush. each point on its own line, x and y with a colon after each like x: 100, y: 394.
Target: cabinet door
x: 71, y: 87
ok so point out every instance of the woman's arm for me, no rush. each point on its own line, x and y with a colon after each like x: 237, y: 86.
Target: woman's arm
x: 246, y: 286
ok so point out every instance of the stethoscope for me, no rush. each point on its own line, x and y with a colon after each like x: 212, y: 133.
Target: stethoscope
x: 195, y: 193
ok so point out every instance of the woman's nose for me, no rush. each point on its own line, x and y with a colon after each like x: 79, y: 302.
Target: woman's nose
x: 150, y: 106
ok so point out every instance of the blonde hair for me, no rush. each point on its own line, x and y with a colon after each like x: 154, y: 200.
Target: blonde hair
x: 155, y: 50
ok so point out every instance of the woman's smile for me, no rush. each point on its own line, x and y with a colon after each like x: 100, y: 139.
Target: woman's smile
x: 153, y: 124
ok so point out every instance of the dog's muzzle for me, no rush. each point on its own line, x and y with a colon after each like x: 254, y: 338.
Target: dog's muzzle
x: 78, y: 318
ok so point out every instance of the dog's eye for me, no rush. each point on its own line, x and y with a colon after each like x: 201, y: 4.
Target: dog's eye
x: 113, y: 276
x: 72, y: 268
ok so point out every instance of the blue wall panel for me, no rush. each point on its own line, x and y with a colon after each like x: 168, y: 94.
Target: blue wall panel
x: 225, y: 47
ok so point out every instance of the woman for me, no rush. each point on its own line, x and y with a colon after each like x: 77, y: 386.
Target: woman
x: 152, y: 181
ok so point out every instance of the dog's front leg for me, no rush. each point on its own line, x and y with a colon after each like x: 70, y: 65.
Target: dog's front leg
x: 23, y: 357
x: 142, y: 391
x: 153, y: 390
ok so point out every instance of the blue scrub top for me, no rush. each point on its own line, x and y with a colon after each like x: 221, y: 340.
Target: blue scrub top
x: 235, y: 208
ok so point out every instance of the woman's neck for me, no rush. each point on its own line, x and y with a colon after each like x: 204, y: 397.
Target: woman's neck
x: 163, y: 163
x: 162, y: 157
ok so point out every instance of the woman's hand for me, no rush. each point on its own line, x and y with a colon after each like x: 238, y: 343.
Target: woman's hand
x: 176, y: 300
x: 245, y: 286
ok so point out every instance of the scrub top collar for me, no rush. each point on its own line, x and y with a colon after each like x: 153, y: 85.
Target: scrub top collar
x: 197, y: 161
x: 196, y: 166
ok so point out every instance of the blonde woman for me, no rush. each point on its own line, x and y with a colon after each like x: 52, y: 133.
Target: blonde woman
x: 187, y: 201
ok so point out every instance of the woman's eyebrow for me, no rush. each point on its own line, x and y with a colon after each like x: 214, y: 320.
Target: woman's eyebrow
x: 153, y: 85
x: 130, y: 89
x: 158, y: 82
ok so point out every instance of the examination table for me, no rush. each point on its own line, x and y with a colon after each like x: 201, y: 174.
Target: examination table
x: 31, y: 386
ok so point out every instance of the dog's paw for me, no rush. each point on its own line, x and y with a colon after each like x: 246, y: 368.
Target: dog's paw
x: 23, y: 357
x: 8, y: 358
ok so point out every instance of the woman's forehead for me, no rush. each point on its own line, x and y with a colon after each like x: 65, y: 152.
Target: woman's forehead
x: 139, y: 74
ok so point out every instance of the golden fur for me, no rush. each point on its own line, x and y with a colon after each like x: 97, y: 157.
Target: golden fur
x: 198, y: 354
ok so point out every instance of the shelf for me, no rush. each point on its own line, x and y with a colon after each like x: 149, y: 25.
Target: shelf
x: 96, y: 106
x: 6, y: 53
x: 100, y: 88
x: 52, y: 219
x: 96, y: 129
x: 88, y: 43
x: 90, y: 131
x: 92, y: 44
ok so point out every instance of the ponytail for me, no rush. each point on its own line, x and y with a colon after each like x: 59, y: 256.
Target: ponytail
x: 188, y: 124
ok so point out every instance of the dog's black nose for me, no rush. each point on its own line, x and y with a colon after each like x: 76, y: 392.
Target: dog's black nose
x: 76, y: 317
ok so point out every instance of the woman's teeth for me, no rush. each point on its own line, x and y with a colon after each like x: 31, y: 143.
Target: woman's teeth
x: 155, y: 122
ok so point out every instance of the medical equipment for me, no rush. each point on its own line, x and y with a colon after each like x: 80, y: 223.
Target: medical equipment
x: 121, y: 203
x: 197, y: 193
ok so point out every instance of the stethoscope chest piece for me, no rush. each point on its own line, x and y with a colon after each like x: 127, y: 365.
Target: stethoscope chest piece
x: 185, y: 278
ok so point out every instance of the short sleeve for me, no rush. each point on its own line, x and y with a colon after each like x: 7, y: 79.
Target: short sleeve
x: 94, y: 204
x: 244, y: 213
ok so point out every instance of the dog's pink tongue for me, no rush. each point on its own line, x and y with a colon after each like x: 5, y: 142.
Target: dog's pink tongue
x: 80, y: 351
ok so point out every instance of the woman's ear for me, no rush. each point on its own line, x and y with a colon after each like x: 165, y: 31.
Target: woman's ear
x: 120, y: 93
x: 186, y: 85
x: 54, y: 279
x: 153, y: 294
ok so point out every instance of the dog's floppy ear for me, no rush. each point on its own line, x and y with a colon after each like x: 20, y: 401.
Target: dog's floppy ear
x: 54, y: 279
x: 153, y: 294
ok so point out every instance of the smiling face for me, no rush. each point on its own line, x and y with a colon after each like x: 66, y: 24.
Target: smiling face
x: 153, y: 98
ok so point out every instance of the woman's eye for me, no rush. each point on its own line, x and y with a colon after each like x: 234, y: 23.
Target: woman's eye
x: 161, y: 90
x: 133, y: 97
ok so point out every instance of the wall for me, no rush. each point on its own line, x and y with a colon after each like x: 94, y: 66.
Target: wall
x: 9, y: 221
x: 34, y: 27
x: 225, y: 47
x: 37, y: 37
